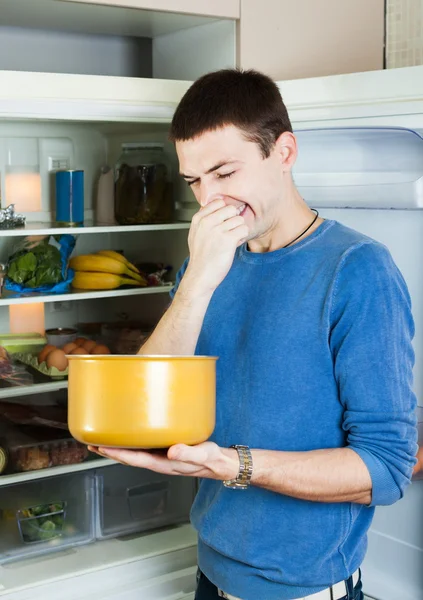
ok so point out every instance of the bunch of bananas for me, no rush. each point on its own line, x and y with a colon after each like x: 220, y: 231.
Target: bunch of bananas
x: 106, y: 270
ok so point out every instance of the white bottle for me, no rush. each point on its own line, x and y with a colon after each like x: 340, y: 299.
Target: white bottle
x: 105, y: 205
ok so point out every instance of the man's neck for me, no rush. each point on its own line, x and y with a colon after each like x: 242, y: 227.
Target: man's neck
x: 294, y: 218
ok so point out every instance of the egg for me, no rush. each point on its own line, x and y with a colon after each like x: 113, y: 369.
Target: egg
x: 80, y: 341
x: 67, y: 348
x: 100, y: 349
x: 79, y: 350
x: 57, y: 358
x: 45, y: 352
x: 89, y: 345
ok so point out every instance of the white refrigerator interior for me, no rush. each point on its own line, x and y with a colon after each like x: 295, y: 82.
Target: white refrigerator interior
x: 360, y: 162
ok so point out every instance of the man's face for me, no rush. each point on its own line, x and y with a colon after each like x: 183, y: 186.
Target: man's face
x: 223, y: 163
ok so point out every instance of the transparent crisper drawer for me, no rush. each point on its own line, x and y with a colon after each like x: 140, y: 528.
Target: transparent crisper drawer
x: 360, y: 167
x: 132, y: 500
x: 42, y: 516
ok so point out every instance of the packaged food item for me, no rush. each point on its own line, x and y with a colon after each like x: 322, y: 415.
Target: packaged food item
x: 40, y: 264
x: 125, y: 337
x: 155, y: 273
x: 11, y: 373
x: 69, y: 198
x: 9, y: 219
x: 143, y: 191
x: 30, y: 449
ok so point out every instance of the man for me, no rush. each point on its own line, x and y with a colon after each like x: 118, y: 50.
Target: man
x: 312, y: 326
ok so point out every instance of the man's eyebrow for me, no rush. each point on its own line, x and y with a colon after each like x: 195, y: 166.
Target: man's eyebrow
x: 215, y: 168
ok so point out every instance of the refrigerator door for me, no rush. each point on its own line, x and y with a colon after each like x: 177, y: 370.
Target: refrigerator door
x: 360, y: 167
x: 392, y: 568
x: 350, y: 172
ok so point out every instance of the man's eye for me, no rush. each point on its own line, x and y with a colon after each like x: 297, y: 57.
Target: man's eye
x: 225, y: 175
x: 191, y: 183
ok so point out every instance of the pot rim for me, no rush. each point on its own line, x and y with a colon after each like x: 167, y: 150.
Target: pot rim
x: 154, y: 357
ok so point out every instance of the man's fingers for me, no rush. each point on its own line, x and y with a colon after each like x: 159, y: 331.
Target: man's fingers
x: 198, y: 455
x: 212, y: 207
x: 138, y: 458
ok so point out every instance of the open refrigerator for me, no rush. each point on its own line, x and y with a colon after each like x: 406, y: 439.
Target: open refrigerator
x: 124, y: 533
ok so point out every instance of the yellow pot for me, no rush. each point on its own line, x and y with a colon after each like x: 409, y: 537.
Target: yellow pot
x: 141, y: 401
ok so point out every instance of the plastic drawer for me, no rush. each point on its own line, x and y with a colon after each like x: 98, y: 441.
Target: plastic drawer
x: 133, y: 500
x: 39, y: 517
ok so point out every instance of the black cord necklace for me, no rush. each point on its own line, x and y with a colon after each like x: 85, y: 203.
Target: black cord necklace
x: 305, y: 230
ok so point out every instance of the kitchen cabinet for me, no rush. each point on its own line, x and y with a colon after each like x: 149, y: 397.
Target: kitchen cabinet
x: 222, y: 9
x: 292, y: 40
x: 123, y: 39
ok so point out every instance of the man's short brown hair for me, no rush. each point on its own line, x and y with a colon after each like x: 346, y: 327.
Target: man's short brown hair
x: 247, y: 99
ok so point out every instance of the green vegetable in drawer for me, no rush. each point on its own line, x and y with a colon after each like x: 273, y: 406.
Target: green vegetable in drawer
x: 41, y: 523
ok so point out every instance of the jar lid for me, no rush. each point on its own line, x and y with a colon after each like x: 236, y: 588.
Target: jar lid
x: 130, y: 145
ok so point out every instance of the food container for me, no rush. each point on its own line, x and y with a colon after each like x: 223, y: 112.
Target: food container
x: 41, y: 523
x: 69, y: 198
x: 60, y: 336
x: 31, y: 457
x: 30, y: 360
x: 141, y: 401
x: 124, y: 337
x: 105, y: 205
x: 143, y: 191
x: 22, y: 342
x: 33, y: 448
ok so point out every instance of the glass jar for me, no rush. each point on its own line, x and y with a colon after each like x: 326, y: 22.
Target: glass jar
x: 143, y: 191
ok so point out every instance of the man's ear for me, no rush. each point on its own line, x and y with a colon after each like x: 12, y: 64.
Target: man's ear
x: 286, y: 147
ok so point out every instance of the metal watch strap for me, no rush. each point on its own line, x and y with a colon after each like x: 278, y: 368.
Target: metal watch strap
x: 243, y: 479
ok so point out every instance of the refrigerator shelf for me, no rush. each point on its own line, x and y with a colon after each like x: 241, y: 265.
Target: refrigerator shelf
x: 12, y: 298
x: 46, y: 228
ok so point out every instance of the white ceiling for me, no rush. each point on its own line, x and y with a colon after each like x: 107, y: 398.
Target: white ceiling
x: 88, y: 18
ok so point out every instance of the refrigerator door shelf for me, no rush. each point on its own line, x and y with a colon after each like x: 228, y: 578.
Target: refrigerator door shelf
x: 360, y: 167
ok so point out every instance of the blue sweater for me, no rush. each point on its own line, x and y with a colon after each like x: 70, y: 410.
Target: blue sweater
x: 315, y: 352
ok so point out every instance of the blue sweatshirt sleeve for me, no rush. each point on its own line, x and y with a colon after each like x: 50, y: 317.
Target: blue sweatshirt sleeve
x: 371, y: 330
x: 179, y: 276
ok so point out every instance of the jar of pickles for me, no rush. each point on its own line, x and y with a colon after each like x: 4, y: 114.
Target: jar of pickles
x: 143, y: 191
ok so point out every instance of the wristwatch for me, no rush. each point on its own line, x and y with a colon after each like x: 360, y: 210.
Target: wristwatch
x: 243, y: 479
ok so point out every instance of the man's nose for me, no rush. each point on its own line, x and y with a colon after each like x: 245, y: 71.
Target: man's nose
x: 209, y: 191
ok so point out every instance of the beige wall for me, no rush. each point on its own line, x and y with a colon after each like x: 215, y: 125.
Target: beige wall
x: 289, y: 39
x: 404, y: 33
